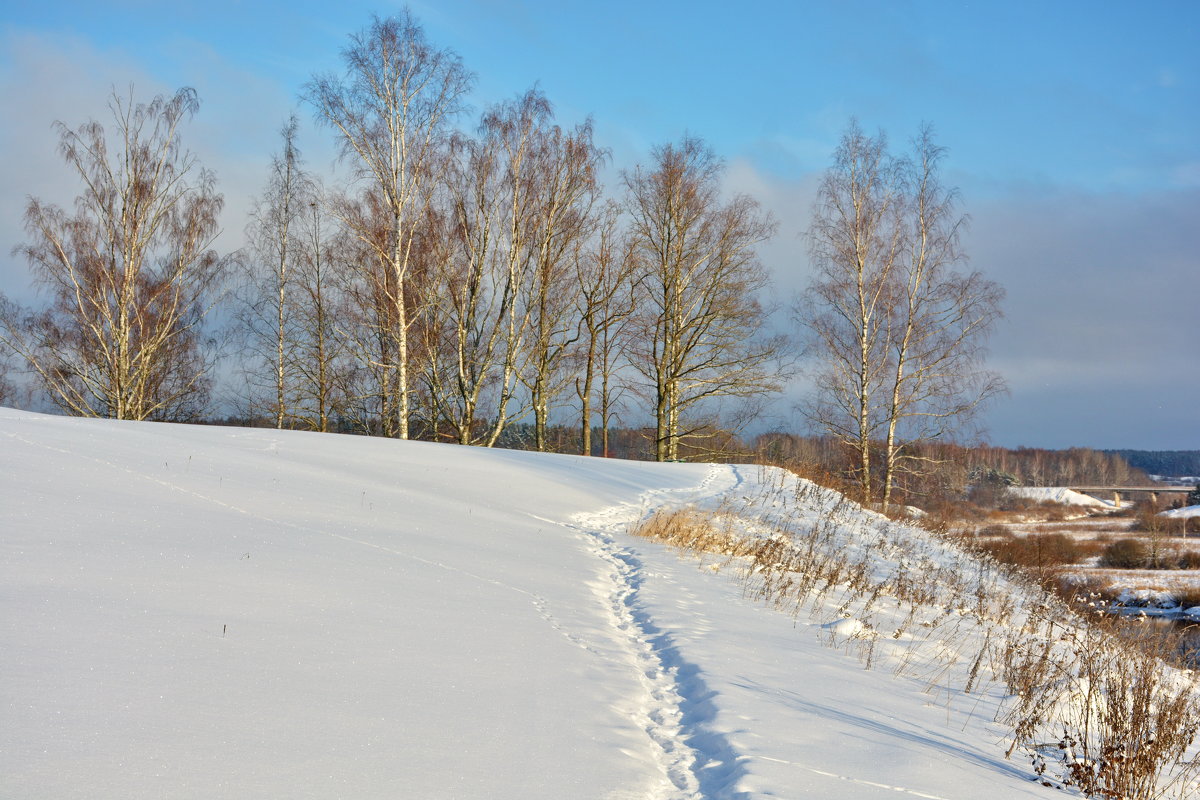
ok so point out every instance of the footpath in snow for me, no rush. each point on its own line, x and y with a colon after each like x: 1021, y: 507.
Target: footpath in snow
x: 194, y: 612
x: 763, y: 702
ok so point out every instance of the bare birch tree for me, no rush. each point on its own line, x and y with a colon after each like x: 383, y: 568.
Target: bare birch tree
x: 269, y: 306
x: 131, y: 274
x: 472, y: 301
x: 514, y: 131
x: 940, y: 319
x: 563, y: 216
x: 319, y: 349
x: 606, y: 273
x: 440, y: 344
x: 699, y: 336
x: 896, y: 327
x: 369, y: 321
x: 391, y: 110
x: 855, y: 239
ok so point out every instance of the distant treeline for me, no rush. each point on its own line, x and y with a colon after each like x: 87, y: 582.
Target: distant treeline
x: 948, y: 471
x: 1168, y: 463
x: 634, y: 444
x: 1038, y: 467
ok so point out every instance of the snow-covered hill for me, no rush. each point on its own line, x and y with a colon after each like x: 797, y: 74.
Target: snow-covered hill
x: 1182, y: 513
x: 1060, y: 495
x: 193, y: 612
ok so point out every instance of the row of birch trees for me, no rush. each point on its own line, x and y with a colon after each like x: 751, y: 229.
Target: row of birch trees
x: 464, y: 280
x: 459, y: 278
x: 454, y: 282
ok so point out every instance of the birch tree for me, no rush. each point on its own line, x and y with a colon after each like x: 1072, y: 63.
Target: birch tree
x: 699, y: 328
x: 319, y: 348
x: 855, y: 239
x: 941, y: 316
x: 131, y: 273
x: 269, y: 307
x: 567, y: 192
x: 390, y: 111
x: 896, y: 326
x: 370, y: 319
x: 513, y: 131
x: 607, y: 277
x: 469, y: 308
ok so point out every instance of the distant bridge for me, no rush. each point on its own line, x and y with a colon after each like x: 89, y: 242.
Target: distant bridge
x: 1116, y: 491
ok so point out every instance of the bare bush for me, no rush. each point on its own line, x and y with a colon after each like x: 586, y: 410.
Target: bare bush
x: 1125, y: 719
x: 1125, y: 554
x: 1041, y: 553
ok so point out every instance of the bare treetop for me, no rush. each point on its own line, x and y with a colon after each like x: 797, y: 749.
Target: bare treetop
x: 131, y: 273
x: 394, y: 100
x: 391, y: 111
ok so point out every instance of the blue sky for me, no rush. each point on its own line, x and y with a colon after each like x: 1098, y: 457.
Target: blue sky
x: 1073, y: 130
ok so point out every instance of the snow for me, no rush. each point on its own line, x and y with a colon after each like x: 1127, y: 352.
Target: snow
x: 1181, y: 513
x: 196, y: 612
x: 1146, y: 598
x: 1056, y: 494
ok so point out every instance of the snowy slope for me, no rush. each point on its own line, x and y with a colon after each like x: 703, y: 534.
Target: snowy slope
x: 190, y: 612
x: 1058, y: 494
x: 1182, y: 513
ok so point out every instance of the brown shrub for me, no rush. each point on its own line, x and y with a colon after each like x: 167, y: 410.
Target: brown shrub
x: 1188, y: 596
x: 1088, y: 548
x: 1125, y: 554
x: 1038, y: 551
x: 690, y: 530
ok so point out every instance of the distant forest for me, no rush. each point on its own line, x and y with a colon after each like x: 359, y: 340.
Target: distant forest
x: 1168, y: 463
x: 1024, y: 466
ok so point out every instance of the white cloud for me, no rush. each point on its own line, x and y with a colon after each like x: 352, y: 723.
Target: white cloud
x: 790, y: 202
x: 45, y: 78
x: 42, y: 80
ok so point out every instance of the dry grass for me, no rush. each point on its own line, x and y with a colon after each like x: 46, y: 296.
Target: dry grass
x: 694, y: 532
x: 1126, y: 721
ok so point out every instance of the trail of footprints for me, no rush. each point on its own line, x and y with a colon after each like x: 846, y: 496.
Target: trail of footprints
x: 659, y: 709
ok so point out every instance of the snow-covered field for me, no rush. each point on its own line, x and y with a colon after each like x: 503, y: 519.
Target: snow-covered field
x: 194, y: 612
